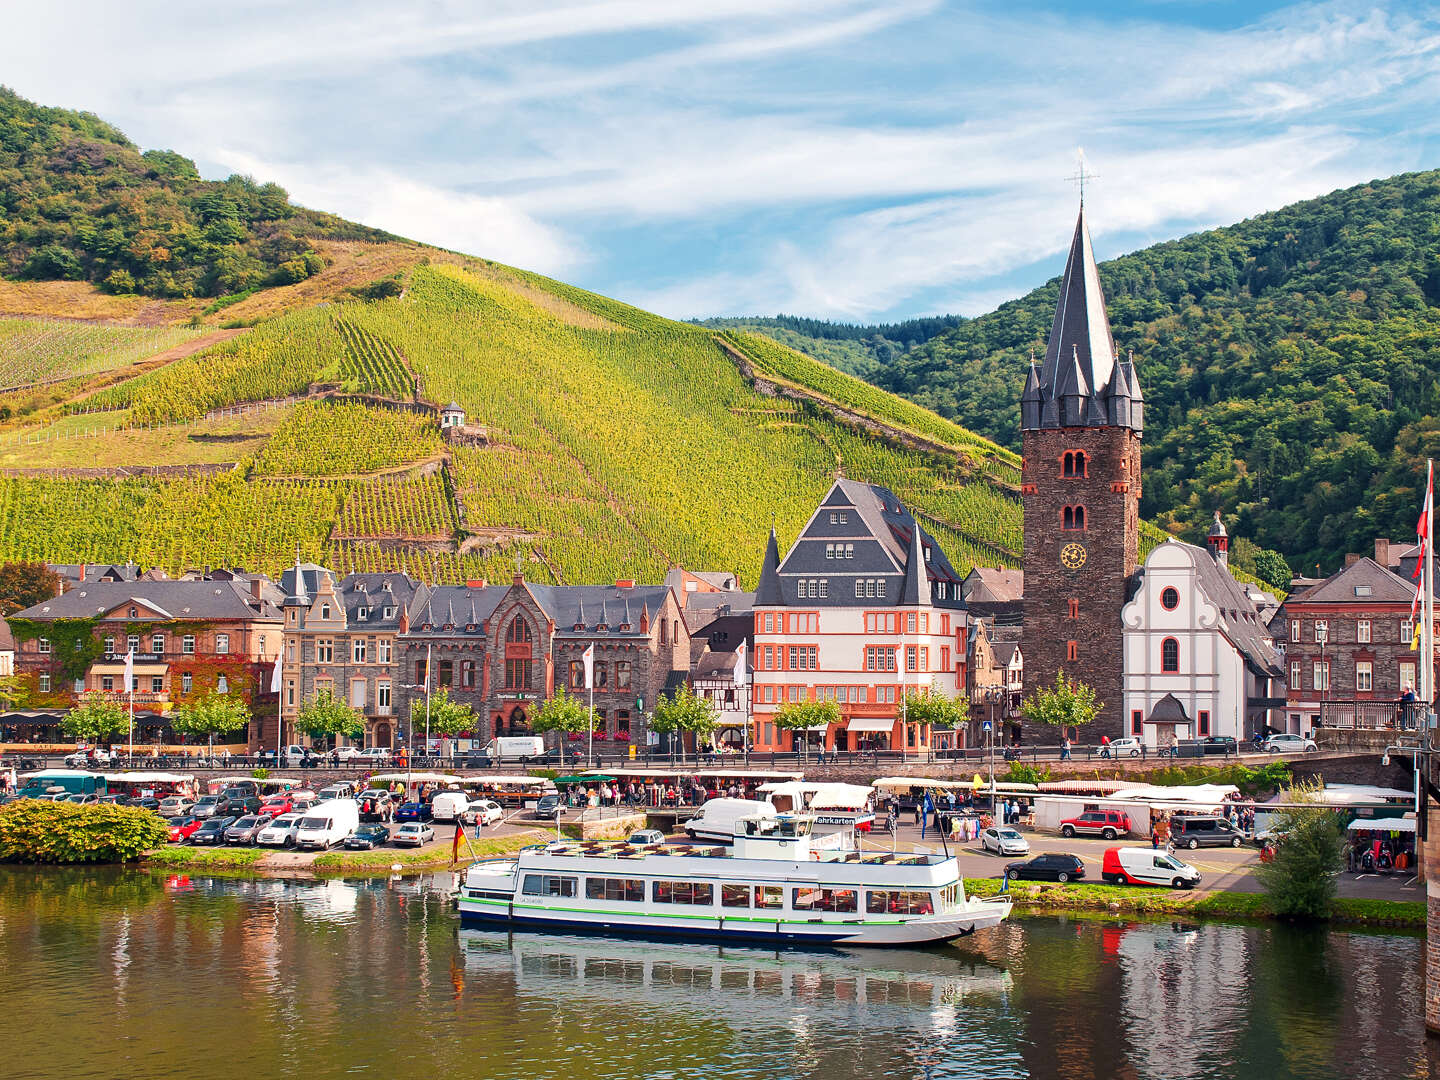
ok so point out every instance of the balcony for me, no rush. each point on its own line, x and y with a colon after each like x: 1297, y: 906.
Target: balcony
x: 1372, y: 715
x: 147, y: 698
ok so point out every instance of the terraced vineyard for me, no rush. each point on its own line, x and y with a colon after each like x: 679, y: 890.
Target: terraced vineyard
x: 44, y: 350
x: 372, y: 365
x: 408, y: 509
x: 322, y: 438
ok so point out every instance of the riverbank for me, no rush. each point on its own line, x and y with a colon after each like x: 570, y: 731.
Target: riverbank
x: 1041, y: 897
x: 433, y: 856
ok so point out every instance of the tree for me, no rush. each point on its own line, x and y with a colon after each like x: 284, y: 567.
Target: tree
x: 325, y: 717
x: 212, y: 715
x: 1065, y: 705
x: 446, y: 717
x: 1300, y: 880
x: 684, y: 710
x: 24, y: 584
x: 563, y: 713
x: 1270, y: 567
x: 796, y: 716
x: 96, y: 720
x: 937, y: 710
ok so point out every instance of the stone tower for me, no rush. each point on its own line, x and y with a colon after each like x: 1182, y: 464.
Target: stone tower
x: 1081, y: 416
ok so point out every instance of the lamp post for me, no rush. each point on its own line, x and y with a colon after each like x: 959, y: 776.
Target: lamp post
x: 1322, y: 635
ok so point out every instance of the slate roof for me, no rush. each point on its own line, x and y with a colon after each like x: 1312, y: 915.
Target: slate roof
x: 308, y: 575
x: 1386, y: 586
x: 1168, y: 710
x: 702, y: 609
x: 374, y: 593
x: 591, y: 605
x: 177, y: 599
x: 1004, y: 651
x: 714, y: 665
x: 457, y: 606
x: 1240, y: 621
x: 994, y: 585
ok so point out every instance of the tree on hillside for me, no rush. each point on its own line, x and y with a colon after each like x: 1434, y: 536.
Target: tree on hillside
x: 446, y: 717
x: 211, y: 715
x: 683, y: 711
x: 799, y: 717
x: 326, y: 718
x: 1067, y: 705
x: 25, y: 584
x: 95, y: 721
x: 1270, y: 567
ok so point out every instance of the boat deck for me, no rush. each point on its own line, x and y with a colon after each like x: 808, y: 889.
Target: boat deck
x: 620, y: 849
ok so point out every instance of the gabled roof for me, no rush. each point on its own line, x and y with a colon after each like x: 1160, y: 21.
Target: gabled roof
x: 229, y: 600
x: 1385, y: 586
x: 1168, y: 710
x: 1242, y: 623
x: 994, y: 585
x: 374, y: 593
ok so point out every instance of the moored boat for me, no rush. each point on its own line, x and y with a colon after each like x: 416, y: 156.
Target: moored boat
x: 773, y: 884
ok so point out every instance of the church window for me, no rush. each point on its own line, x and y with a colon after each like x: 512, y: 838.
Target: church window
x: 1072, y: 518
x: 1072, y: 650
x: 519, y: 631
x: 1170, y: 656
x: 1204, y: 722
x: 1075, y: 463
x: 1074, y: 608
x: 1137, y: 721
x: 1169, y: 598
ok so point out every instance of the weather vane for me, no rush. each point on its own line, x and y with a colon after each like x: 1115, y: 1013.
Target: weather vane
x: 1080, y: 174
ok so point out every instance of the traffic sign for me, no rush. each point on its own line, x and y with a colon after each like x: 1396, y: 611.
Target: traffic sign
x: 985, y: 725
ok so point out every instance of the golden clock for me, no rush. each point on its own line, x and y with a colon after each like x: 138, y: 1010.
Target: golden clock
x: 1072, y: 556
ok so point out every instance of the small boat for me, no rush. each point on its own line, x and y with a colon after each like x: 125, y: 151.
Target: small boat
x: 772, y: 885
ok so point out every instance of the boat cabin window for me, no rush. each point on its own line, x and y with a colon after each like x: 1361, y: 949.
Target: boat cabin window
x: 769, y: 896
x: 811, y: 899
x: 683, y: 892
x: 790, y: 827
x: 631, y: 890
x: 735, y: 896
x: 898, y: 902
x: 549, y: 885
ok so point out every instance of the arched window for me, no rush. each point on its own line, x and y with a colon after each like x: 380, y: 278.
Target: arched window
x: 1169, y: 598
x: 519, y: 632
x: 1075, y: 463
x: 1072, y: 518
x: 664, y: 632
x: 1074, y: 608
x: 1170, y: 656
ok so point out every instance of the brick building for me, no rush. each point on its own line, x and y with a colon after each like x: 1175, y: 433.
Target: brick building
x: 1081, y: 420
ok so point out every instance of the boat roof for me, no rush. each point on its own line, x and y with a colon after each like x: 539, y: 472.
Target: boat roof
x: 620, y: 849
x: 718, y: 774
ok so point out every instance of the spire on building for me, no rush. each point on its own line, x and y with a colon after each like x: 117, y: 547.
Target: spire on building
x: 1218, y: 540
x: 915, y: 589
x: 768, y: 591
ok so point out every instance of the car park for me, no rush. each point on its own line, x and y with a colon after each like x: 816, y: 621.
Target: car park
x: 414, y: 811
x: 1052, y: 866
x: 1147, y: 866
x: 413, y: 833
x: 213, y: 831
x: 367, y: 836
x: 1288, y: 744
x: 174, y: 805
x: 182, y: 828
x: 245, y: 829
x: 645, y: 837
x: 1128, y: 746
x: 486, y: 811
x: 275, y: 805
x: 376, y: 804
x: 1193, y: 831
x: 279, y: 831
x: 1107, y: 823
x: 1004, y: 840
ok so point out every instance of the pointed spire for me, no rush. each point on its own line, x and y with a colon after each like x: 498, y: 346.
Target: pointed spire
x: 1072, y: 389
x: 916, y: 587
x: 580, y: 617
x: 768, y: 591
x: 1081, y: 323
x: 1031, y: 399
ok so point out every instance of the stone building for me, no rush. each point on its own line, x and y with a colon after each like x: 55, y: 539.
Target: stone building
x: 1081, y: 420
x: 996, y: 671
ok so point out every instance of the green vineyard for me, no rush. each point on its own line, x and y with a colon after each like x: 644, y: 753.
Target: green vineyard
x: 322, y: 438
x: 45, y: 350
x: 371, y: 365
x: 401, y: 509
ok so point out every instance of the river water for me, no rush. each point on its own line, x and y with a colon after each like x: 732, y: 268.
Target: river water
x: 126, y: 974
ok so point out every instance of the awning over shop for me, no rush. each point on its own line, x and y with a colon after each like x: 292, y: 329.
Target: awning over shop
x: 149, y: 778
x: 870, y: 723
x: 119, y: 669
x: 1386, y: 825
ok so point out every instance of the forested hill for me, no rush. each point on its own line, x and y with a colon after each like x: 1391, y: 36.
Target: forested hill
x: 1289, y: 365
x: 857, y: 349
x: 79, y: 201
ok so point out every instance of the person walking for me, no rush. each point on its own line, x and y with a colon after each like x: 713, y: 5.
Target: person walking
x: 1065, y: 749
x: 1155, y: 836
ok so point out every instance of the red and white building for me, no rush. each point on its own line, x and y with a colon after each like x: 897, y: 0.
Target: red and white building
x: 864, y: 606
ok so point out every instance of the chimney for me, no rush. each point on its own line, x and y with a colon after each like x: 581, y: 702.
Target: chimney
x: 475, y: 583
x: 255, y: 588
x: 1382, y: 551
x: 1351, y: 558
x: 518, y: 579
x: 626, y: 583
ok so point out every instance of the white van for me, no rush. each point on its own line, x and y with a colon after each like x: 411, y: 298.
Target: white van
x: 326, y: 824
x: 717, y: 818
x: 1147, y: 866
x: 514, y: 748
x: 449, y: 805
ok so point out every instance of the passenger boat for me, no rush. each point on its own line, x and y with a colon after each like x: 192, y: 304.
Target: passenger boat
x: 771, y: 885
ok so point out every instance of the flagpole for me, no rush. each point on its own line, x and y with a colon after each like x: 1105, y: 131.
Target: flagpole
x: 1427, y: 638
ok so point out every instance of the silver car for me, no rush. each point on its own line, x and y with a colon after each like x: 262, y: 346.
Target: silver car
x: 1004, y: 840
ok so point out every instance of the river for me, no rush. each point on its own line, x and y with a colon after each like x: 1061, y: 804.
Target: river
x: 122, y: 974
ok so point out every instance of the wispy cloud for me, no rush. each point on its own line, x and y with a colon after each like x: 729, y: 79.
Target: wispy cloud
x: 853, y: 158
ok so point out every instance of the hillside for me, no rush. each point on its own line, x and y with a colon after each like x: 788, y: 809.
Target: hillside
x: 852, y: 348
x: 182, y: 428
x: 1289, y: 365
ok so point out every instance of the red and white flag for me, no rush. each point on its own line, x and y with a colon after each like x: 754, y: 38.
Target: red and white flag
x: 1422, y: 530
x: 589, y: 657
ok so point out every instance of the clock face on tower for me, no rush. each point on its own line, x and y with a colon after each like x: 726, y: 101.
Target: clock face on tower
x: 1072, y: 556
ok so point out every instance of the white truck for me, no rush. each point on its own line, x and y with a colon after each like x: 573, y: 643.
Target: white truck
x: 449, y: 805
x: 326, y: 824
x: 717, y: 818
x: 514, y: 748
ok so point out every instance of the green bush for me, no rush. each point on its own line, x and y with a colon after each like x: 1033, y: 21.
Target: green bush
x: 1300, y: 880
x: 1021, y: 773
x: 49, y: 832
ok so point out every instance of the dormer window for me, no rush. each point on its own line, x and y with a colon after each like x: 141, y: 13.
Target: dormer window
x: 362, y: 614
x: 324, y: 611
x: 389, y: 613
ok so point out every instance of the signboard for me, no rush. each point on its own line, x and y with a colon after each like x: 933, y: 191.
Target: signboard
x: 985, y: 726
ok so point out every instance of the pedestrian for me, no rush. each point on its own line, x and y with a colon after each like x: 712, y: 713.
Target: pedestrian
x: 1105, y: 746
x: 1155, y: 836
x: 928, y: 809
x: 1065, y: 749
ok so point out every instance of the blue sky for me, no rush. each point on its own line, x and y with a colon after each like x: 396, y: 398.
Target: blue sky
x: 852, y: 159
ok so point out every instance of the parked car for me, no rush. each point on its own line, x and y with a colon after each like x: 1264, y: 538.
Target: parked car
x: 182, y: 827
x: 1004, y: 841
x: 210, y: 805
x: 375, y: 755
x: 237, y: 788
x: 413, y: 833
x: 1193, y: 832
x: 376, y: 804
x: 85, y: 798
x: 448, y: 805
x: 341, y: 789
x: 1107, y: 823
x: 1220, y: 744
x: 346, y: 755
x: 176, y: 805
x: 645, y: 837
x: 275, y: 805
x: 245, y: 829
x: 414, y: 811
x: 1048, y: 867
x: 367, y: 836
x: 213, y: 831
x: 279, y: 831
x: 145, y: 802
x: 1146, y: 866
x: 81, y: 759
x: 1128, y: 746
x: 1288, y: 744
x: 327, y: 823
x: 548, y: 805
x: 244, y: 805
x: 484, y: 810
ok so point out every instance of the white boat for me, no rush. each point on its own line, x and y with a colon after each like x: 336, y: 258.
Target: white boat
x: 771, y: 885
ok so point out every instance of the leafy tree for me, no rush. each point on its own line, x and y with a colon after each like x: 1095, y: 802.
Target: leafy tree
x: 563, y: 713
x: 1300, y: 880
x: 446, y: 717
x: 326, y: 717
x: 1066, y: 705
x: 95, y: 721
x: 797, y: 716
x: 211, y: 715
x: 51, y: 832
x: 1270, y: 566
x: 682, y: 711
x: 24, y: 584
x: 937, y: 710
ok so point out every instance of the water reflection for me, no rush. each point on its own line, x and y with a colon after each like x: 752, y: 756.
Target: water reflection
x: 256, y: 977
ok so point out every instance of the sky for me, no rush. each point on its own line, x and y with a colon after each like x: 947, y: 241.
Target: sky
x: 862, y: 160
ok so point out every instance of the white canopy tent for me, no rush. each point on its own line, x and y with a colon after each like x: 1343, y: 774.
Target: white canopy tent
x: 905, y: 783
x: 816, y: 796
x: 1385, y: 825
x: 149, y: 778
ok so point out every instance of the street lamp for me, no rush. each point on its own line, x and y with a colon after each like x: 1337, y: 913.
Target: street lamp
x: 1322, y: 635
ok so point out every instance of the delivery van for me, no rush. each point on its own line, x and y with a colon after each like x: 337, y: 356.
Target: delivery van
x: 514, y: 748
x: 1147, y: 866
x: 72, y: 781
x: 717, y: 818
x: 326, y: 824
x: 449, y: 805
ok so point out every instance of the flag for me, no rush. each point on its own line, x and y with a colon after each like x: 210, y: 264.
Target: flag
x: 589, y: 656
x: 275, y: 676
x: 129, y: 670
x: 740, y: 674
x: 455, y: 847
x: 1422, y: 530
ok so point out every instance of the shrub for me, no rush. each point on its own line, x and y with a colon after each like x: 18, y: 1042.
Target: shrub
x: 1300, y: 880
x: 51, y: 832
x: 1021, y: 773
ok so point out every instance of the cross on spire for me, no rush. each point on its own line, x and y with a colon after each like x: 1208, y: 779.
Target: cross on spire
x: 1081, y: 175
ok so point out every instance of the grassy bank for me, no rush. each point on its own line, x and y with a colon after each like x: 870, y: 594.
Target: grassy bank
x: 435, y: 857
x: 204, y: 858
x: 1034, y: 896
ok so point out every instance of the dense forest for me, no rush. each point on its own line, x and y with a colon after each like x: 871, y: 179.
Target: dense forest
x: 851, y: 347
x: 1289, y: 365
x: 79, y: 201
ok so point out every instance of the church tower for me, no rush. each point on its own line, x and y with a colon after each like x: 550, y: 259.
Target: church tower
x: 1081, y: 415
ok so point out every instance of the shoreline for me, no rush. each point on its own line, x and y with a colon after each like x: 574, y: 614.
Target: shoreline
x: 270, y: 861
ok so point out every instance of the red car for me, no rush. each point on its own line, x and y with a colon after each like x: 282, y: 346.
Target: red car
x: 276, y: 805
x: 1107, y: 823
x: 182, y: 828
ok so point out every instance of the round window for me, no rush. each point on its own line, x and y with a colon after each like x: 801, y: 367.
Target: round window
x: 1169, y: 599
